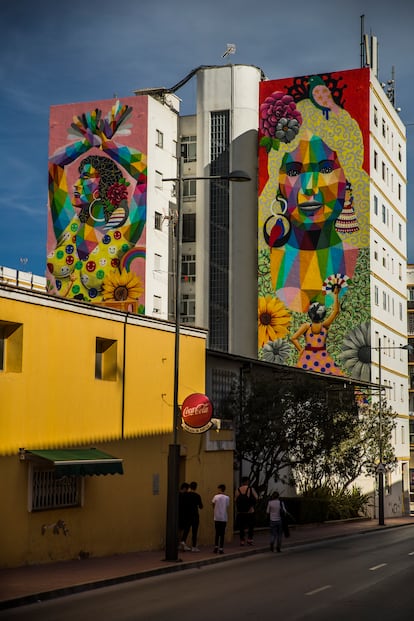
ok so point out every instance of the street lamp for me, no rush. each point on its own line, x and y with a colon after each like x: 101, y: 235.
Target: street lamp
x: 381, y: 467
x: 171, y: 532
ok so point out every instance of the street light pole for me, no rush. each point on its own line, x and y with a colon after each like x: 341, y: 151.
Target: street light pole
x: 381, y: 465
x: 171, y: 527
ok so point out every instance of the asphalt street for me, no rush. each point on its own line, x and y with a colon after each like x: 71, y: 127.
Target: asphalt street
x: 364, y: 577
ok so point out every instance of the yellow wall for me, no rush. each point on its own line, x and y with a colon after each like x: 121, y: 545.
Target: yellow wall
x: 54, y: 401
x: 120, y: 513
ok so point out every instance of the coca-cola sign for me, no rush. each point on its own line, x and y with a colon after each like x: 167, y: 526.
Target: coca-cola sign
x: 196, y: 412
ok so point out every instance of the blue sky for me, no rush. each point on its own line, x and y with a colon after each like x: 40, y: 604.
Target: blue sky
x: 62, y: 52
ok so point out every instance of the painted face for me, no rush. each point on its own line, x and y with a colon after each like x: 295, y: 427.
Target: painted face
x: 313, y: 183
x: 85, y: 186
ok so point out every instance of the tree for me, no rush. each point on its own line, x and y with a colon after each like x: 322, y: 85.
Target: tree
x: 302, y: 431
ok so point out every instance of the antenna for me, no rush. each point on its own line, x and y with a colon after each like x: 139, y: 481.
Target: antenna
x: 369, y: 49
x: 390, y: 92
x: 231, y: 49
x: 362, y: 62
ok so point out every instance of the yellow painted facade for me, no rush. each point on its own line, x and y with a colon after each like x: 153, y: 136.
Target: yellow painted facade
x: 54, y: 400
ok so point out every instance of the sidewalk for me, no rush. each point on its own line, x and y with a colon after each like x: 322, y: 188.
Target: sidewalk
x: 25, y: 585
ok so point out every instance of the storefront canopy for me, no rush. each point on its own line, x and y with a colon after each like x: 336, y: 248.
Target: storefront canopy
x: 79, y: 462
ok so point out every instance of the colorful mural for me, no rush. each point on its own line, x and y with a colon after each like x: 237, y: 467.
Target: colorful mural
x: 97, y: 203
x: 313, y: 308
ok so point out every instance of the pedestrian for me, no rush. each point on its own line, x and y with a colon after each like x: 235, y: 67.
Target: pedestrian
x: 246, y: 498
x: 221, y: 504
x: 275, y: 510
x: 194, y: 503
x: 183, y: 515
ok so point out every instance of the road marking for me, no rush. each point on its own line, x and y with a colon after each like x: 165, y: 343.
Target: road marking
x: 327, y: 586
x: 377, y: 567
x: 411, y: 554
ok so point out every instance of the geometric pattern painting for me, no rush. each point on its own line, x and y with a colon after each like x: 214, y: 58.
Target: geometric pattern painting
x: 313, y: 306
x: 97, y: 203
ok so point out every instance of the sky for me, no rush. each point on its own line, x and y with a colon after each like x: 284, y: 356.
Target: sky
x: 55, y: 53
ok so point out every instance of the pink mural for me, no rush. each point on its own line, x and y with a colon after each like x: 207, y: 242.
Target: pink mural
x: 97, y: 203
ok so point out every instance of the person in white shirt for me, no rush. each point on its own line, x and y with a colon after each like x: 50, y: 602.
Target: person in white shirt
x: 220, y: 503
x: 275, y: 509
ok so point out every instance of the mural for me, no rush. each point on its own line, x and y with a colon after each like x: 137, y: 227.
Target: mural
x: 97, y: 203
x: 313, y: 307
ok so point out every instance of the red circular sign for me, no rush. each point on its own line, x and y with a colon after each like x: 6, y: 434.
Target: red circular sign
x: 197, y: 410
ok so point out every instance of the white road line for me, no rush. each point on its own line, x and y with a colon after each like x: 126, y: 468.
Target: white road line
x: 411, y: 554
x: 377, y: 567
x: 327, y: 586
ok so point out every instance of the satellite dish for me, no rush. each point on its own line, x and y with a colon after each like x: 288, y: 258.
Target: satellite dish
x: 231, y: 49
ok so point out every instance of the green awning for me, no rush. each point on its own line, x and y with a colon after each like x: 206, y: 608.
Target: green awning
x: 80, y: 462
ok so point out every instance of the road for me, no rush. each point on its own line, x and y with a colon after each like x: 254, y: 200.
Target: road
x: 366, y: 577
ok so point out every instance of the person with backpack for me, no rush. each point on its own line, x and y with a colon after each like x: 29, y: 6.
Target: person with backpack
x: 246, y: 498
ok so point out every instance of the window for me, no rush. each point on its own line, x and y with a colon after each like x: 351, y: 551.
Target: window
x: 159, y: 139
x: 157, y: 262
x: 188, y: 308
x: 189, y: 148
x: 158, y: 221
x: 11, y: 346
x: 399, y: 191
x: 399, y: 230
x: 383, y: 127
x: 376, y: 205
x: 376, y: 250
x: 376, y: 116
x: 157, y: 300
x: 384, y: 300
x: 375, y: 160
x: 384, y: 214
x: 376, y: 295
x: 105, y: 359
x: 399, y: 153
x: 189, y: 227
x: 188, y: 268
x: 399, y: 271
x: 384, y: 258
x: 189, y: 189
x: 48, y: 492
x: 158, y: 179
x: 383, y: 170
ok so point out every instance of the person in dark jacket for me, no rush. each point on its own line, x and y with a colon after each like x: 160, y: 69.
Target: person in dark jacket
x: 194, y: 503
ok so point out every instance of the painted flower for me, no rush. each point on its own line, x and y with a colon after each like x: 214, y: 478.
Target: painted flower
x: 287, y: 129
x: 273, y: 319
x: 356, y: 352
x: 276, y: 351
x: 116, y: 193
x: 279, y: 121
x: 122, y: 286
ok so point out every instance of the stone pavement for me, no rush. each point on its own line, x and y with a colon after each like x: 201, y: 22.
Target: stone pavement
x: 34, y: 583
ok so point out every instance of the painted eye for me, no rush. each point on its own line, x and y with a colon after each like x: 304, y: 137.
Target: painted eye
x: 293, y: 169
x: 326, y: 167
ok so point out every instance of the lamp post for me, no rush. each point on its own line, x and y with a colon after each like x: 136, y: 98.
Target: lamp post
x: 171, y: 529
x: 381, y: 467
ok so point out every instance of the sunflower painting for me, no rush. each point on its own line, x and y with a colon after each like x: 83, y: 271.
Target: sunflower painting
x: 273, y: 319
x: 122, y: 289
